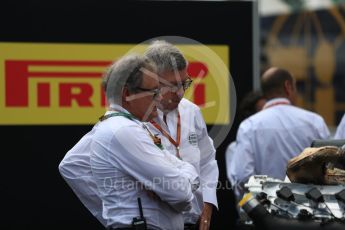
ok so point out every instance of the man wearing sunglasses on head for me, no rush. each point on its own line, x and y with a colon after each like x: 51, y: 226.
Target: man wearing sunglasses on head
x: 183, y: 131
x: 119, y: 160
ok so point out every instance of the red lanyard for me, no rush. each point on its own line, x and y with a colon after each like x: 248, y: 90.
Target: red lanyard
x: 277, y: 103
x: 166, y: 134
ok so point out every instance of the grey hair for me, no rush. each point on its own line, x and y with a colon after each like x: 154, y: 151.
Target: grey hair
x: 126, y: 71
x: 166, y: 56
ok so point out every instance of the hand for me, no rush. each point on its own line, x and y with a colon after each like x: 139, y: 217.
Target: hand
x: 205, y: 217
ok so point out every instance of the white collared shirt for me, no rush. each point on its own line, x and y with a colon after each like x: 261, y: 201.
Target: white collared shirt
x: 197, y: 148
x: 268, y: 139
x: 340, y: 133
x: 76, y: 170
x: 229, y: 153
x: 123, y: 158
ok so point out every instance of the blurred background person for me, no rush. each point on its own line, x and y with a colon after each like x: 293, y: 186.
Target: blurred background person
x: 268, y: 139
x: 252, y: 103
x: 340, y: 133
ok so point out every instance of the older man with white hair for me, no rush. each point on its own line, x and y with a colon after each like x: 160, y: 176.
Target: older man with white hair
x: 126, y: 159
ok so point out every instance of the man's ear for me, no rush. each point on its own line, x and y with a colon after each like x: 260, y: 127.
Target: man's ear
x: 288, y: 88
x: 125, y: 94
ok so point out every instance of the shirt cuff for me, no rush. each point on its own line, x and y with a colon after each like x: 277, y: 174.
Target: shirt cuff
x: 210, y: 196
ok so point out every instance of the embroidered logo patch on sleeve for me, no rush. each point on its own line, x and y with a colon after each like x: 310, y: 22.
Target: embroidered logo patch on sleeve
x: 193, y: 139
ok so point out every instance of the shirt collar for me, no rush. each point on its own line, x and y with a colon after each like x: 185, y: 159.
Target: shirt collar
x: 113, y: 108
x: 169, y: 114
x: 116, y: 107
x: 276, y: 101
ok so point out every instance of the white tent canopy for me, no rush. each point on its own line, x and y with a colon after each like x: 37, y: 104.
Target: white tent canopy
x: 274, y: 7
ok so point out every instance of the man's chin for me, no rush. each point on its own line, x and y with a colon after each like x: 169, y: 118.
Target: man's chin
x: 167, y: 107
x: 154, y: 114
x: 172, y: 105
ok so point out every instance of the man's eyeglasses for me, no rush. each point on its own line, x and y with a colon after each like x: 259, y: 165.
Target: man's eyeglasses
x: 186, y: 83
x: 155, y: 92
x: 175, y: 88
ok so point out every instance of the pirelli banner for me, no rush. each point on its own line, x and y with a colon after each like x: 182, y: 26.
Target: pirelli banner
x: 56, y: 84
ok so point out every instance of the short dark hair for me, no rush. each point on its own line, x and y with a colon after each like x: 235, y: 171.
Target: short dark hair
x: 273, y: 80
x: 247, y: 105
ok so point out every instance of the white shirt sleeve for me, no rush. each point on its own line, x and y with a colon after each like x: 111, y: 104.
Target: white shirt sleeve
x: 323, y: 130
x: 209, y: 172
x: 186, y: 169
x: 76, y: 170
x: 134, y: 152
x: 242, y: 165
x: 228, y: 157
x: 340, y: 133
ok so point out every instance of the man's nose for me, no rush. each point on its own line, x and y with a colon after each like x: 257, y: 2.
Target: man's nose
x: 180, y: 92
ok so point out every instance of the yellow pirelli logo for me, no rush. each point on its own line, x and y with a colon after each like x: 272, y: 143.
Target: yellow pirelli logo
x: 61, y: 83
